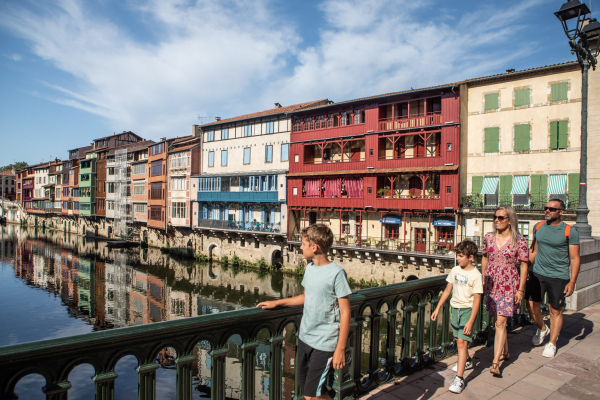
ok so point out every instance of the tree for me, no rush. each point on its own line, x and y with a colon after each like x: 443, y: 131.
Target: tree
x: 17, y: 165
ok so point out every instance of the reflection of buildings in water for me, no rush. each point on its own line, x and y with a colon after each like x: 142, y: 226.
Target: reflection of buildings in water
x: 118, y: 289
x: 166, y: 358
x: 179, y: 306
x: 201, y: 369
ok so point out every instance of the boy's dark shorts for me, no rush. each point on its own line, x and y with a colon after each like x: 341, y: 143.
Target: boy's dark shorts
x: 314, y: 367
x: 538, y: 284
x: 458, y: 319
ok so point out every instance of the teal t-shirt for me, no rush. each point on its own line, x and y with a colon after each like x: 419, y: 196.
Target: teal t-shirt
x: 323, y: 286
x: 552, y: 259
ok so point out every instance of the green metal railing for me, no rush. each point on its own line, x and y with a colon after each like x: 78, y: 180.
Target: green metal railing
x: 391, y: 334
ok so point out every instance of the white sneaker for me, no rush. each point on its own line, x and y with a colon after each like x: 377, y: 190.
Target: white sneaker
x: 549, y: 350
x: 468, y: 365
x: 457, y: 385
x: 539, y: 336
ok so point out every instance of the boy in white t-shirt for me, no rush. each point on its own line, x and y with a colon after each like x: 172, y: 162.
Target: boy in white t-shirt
x: 466, y: 285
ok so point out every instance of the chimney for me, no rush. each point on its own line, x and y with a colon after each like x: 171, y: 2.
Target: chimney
x: 217, y: 118
x: 277, y: 105
x: 164, y: 139
x: 508, y: 71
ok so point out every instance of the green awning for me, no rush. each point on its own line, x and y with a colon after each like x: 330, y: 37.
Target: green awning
x: 490, y: 185
x: 520, y: 184
x: 557, y: 184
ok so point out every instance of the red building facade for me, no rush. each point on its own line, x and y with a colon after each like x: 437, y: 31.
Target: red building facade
x: 381, y: 171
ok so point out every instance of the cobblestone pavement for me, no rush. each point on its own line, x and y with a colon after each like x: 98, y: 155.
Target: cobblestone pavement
x: 573, y: 374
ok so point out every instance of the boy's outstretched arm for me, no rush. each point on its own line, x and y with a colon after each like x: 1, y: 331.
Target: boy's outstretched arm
x: 290, y: 301
x: 445, y: 295
x: 339, y: 356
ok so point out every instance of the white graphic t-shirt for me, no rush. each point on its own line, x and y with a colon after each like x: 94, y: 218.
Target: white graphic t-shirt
x: 464, y: 285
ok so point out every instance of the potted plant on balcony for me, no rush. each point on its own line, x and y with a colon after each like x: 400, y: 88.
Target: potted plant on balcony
x: 380, y: 192
x: 387, y: 193
x: 396, y: 194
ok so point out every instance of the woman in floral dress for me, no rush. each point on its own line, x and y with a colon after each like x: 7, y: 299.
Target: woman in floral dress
x: 503, y: 284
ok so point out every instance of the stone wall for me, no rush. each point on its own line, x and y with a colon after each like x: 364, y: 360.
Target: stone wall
x: 587, y: 289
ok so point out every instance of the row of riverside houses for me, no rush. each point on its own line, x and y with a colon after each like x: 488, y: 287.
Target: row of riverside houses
x: 399, y: 177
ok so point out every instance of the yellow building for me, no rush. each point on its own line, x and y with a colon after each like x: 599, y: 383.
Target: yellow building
x: 520, y: 146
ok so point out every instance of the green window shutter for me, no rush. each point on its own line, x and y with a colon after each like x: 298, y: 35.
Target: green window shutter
x: 563, y: 135
x: 505, y: 184
x: 492, y: 140
x: 573, y: 186
x: 558, y: 91
x: 491, y: 101
x: 522, y: 97
x: 476, y: 184
x: 554, y: 135
x: 522, y: 137
x: 539, y: 191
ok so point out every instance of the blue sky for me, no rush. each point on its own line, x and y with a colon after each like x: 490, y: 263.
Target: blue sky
x: 74, y: 70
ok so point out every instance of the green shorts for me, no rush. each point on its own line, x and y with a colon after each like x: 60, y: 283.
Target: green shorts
x: 458, y: 319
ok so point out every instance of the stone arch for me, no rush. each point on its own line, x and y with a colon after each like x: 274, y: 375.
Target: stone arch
x: 276, y: 258
x: 213, y: 250
x: 110, y: 232
x: 411, y: 278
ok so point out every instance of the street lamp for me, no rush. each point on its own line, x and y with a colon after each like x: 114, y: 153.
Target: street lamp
x: 581, y: 31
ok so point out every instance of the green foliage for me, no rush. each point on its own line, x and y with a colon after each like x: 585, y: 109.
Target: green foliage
x: 225, y: 260
x: 383, y: 283
x: 351, y: 280
x: 362, y: 281
x: 17, y: 165
x: 235, y: 260
x: 201, y: 257
x: 262, y: 264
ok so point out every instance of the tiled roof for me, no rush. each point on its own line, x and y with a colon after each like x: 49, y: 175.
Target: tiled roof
x: 117, y: 134
x: 131, y: 146
x: 376, y: 171
x: 7, y: 173
x: 272, y: 111
x: 523, y: 71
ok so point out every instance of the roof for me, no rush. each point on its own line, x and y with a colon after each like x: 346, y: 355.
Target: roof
x: 131, y: 146
x: 84, y: 148
x: 377, y: 171
x: 117, y: 134
x: 524, y: 71
x: 7, y: 172
x: 272, y: 111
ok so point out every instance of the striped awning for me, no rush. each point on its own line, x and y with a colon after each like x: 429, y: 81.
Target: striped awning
x: 520, y: 184
x: 557, y: 184
x: 490, y: 185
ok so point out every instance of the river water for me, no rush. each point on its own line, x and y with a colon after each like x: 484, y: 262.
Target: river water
x: 55, y: 285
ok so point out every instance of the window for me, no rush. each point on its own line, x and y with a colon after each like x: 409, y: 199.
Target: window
x: 140, y: 208
x: 209, y: 184
x: 492, y: 140
x: 139, y: 169
x: 179, y: 210
x: 224, y: 133
x: 156, y: 149
x: 369, y: 190
x: 269, y: 153
x: 139, y: 188
x: 247, y: 155
x: 223, y: 157
x: 359, y: 116
x: 248, y: 130
x: 211, y: 158
x: 521, y: 97
x: 156, y: 191
x: 559, y: 91
x: 179, y: 160
x: 179, y: 184
x: 111, y: 187
x: 156, y: 213
x: 210, y: 136
x: 295, y: 191
x: 448, y: 189
x: 521, y: 142
x: 156, y: 168
x: 285, y: 152
x: 270, y: 127
x: 491, y: 101
x: 296, y: 158
x: 449, y: 146
x: 111, y: 171
x: 110, y: 205
x: 559, y: 135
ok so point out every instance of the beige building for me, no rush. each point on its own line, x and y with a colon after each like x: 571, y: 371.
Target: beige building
x: 520, y: 145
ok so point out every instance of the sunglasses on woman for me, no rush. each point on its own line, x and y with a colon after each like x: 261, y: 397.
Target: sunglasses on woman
x: 500, y: 217
x: 552, y: 209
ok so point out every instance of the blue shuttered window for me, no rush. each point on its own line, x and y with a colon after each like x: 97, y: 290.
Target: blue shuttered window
x: 224, y: 133
x: 211, y: 158
x: 247, y: 155
x: 285, y: 152
x: 248, y: 130
x: 223, y: 157
x: 270, y: 127
x: 210, y: 136
x: 269, y: 153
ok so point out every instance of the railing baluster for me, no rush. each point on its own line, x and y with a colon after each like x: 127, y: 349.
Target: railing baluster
x: 248, y: 357
x: 391, y: 338
x: 276, y: 370
x: 105, y: 385
x: 147, y: 381
x: 217, y: 391
x: 184, y: 376
x: 57, y: 391
x: 374, y: 356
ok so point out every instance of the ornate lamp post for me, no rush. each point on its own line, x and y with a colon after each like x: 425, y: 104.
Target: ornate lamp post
x: 581, y: 31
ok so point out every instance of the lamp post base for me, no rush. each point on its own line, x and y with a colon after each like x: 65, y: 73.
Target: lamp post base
x: 584, y: 229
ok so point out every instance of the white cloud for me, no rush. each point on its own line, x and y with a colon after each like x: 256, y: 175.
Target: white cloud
x: 231, y: 57
x: 14, y: 57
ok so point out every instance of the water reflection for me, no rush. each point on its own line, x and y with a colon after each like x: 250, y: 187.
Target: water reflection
x: 67, y: 285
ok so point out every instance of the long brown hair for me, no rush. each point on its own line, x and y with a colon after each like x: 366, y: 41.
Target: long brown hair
x: 514, y: 224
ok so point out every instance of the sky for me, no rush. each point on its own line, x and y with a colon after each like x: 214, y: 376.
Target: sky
x: 75, y: 70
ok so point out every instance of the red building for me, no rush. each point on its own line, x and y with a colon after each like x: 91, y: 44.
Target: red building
x: 381, y: 171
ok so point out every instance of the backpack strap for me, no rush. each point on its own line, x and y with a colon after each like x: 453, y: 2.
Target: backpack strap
x: 537, y: 227
x: 567, y: 233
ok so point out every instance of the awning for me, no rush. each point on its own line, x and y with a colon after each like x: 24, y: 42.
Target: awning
x: 520, y: 184
x: 391, y: 219
x: 557, y: 184
x: 490, y: 185
x: 444, y: 222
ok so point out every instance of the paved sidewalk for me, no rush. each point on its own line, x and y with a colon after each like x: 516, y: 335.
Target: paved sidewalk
x: 573, y: 374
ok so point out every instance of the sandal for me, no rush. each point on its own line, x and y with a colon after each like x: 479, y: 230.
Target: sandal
x: 504, y: 357
x: 495, y: 370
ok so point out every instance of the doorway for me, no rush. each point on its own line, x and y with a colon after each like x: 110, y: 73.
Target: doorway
x: 420, y: 239
x: 312, y: 217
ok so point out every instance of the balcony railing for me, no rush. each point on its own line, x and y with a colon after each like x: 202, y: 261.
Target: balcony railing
x: 346, y: 160
x: 535, y: 202
x: 391, y: 335
x: 249, y: 226
x: 257, y: 197
x: 390, y: 124
x: 395, y: 194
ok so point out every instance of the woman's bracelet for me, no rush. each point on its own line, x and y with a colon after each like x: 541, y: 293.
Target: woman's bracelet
x: 520, y: 291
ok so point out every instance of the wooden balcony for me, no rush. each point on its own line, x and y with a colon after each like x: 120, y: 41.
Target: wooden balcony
x: 391, y: 124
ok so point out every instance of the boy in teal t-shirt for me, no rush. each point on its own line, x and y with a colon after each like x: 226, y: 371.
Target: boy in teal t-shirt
x: 326, y: 318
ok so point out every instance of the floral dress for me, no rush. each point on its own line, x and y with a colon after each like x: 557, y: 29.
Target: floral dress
x: 501, y: 279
